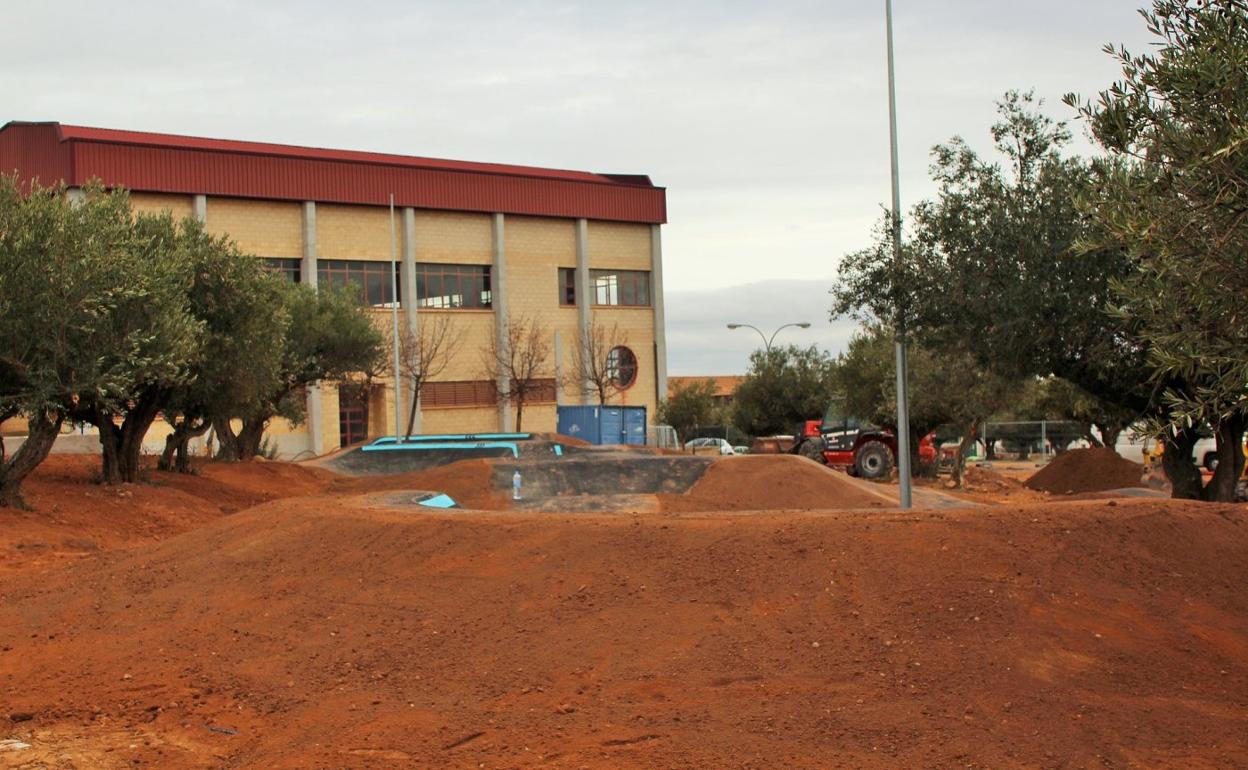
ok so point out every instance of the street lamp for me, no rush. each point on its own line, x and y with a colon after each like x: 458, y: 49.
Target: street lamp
x: 766, y: 341
x: 903, y: 397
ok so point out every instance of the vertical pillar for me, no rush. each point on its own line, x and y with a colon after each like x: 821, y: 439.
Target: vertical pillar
x: 408, y: 276
x: 558, y: 368
x: 656, y: 300
x: 584, y: 301
x: 308, y: 267
x: 498, y: 288
x: 199, y: 208
x: 316, y: 420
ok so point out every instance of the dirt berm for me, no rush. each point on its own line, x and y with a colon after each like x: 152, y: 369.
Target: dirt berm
x: 312, y: 633
x: 1086, y: 470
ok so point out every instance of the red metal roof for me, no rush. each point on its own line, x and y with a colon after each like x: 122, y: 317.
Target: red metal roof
x: 181, y: 164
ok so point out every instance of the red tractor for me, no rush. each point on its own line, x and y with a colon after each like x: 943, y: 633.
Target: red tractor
x: 861, y: 448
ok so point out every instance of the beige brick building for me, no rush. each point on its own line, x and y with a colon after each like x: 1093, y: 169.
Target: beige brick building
x: 480, y: 245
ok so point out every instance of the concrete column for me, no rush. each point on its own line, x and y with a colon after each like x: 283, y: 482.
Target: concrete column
x: 308, y: 267
x: 656, y: 300
x: 584, y: 300
x: 558, y: 368
x: 316, y: 420
x: 498, y: 287
x: 408, y: 277
x: 199, y: 208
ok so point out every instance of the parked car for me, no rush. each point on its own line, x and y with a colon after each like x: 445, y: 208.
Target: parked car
x: 709, y: 446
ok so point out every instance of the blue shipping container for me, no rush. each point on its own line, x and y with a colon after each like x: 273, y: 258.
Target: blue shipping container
x: 604, y: 424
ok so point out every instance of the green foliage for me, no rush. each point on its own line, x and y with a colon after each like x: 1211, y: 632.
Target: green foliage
x: 990, y: 269
x: 239, y: 305
x: 330, y: 337
x: 783, y: 387
x: 1174, y: 198
x: 689, y: 408
x: 1052, y: 398
x: 88, y: 300
x: 947, y: 386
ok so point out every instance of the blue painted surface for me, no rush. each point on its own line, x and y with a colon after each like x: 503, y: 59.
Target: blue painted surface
x: 430, y: 446
x: 579, y: 422
x: 439, y: 501
x: 427, y: 437
x: 604, y: 424
x: 635, y: 425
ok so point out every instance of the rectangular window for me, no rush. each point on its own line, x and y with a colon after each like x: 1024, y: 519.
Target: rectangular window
x: 628, y: 288
x: 543, y: 391
x: 371, y: 279
x: 450, y: 287
x: 290, y: 269
x: 567, y: 286
x: 462, y: 393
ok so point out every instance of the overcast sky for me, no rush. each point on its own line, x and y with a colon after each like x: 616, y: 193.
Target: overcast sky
x: 766, y: 122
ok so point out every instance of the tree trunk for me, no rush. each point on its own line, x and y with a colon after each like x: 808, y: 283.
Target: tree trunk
x: 230, y: 450
x: 411, y: 413
x: 1109, y: 435
x: 1176, y: 461
x: 519, y: 413
x: 1090, y: 437
x: 959, y: 465
x: 1230, y: 435
x: 250, y: 436
x: 110, y: 448
x: 39, y: 440
x: 178, y: 444
x: 121, y: 446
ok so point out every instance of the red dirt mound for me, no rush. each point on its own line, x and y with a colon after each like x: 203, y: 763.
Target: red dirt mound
x: 1087, y: 470
x: 770, y: 482
x: 310, y: 634
x: 73, y: 515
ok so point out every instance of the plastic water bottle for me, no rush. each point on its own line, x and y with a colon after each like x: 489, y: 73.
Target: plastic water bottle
x: 515, y: 485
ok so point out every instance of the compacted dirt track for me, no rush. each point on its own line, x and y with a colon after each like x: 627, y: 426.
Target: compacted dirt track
x: 322, y: 632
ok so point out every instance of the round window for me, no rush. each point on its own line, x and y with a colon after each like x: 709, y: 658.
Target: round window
x: 622, y: 367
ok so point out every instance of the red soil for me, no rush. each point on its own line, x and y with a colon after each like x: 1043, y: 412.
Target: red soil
x: 771, y: 482
x: 317, y: 632
x: 1087, y: 470
x: 74, y: 516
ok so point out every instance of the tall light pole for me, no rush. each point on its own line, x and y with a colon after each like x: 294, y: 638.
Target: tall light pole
x: 903, y: 396
x: 767, y: 342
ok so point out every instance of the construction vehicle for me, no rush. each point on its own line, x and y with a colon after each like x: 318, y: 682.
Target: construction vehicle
x: 859, y: 447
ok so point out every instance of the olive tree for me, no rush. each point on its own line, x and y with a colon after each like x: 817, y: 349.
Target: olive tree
x: 90, y: 320
x: 1175, y: 199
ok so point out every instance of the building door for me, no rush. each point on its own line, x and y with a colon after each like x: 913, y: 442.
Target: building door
x: 352, y: 414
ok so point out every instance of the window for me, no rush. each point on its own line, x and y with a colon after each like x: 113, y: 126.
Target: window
x: 450, y: 287
x: 541, y: 391
x: 622, y: 367
x: 371, y: 279
x: 290, y: 269
x: 462, y: 393
x: 567, y: 286
x: 620, y: 287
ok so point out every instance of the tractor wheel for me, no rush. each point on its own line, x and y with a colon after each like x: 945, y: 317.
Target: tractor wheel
x: 874, y: 460
x: 812, y: 449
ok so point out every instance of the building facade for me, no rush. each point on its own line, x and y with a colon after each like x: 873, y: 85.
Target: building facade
x: 479, y: 245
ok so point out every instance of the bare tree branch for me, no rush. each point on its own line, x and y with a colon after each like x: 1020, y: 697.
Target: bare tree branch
x: 520, y: 361
x: 424, y: 355
x: 592, y: 371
